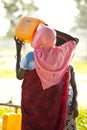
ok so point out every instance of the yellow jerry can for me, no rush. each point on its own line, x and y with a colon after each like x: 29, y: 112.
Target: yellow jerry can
x: 11, y: 122
x: 26, y: 28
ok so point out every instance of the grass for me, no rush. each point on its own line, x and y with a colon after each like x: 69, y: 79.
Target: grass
x: 80, y: 66
x: 5, y: 109
x: 82, y: 119
x: 7, y: 56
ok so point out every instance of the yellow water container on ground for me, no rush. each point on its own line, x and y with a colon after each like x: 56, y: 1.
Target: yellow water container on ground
x: 26, y: 28
x: 11, y: 122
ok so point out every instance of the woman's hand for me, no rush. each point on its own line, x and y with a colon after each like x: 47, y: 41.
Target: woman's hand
x: 18, y: 40
x: 19, y: 44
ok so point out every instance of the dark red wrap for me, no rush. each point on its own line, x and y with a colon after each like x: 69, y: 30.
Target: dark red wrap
x: 43, y: 109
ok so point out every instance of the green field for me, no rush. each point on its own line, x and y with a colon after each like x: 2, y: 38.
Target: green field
x: 8, y: 52
x: 82, y: 119
x: 80, y: 67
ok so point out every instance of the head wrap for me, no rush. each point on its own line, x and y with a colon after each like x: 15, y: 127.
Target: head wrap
x: 51, y: 62
x: 44, y: 38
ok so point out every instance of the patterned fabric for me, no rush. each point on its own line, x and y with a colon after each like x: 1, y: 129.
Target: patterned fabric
x: 43, y: 109
x: 70, y: 96
x: 70, y: 123
x: 27, y: 63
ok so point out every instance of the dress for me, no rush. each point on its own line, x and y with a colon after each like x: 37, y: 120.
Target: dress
x: 70, y: 122
x: 43, y: 109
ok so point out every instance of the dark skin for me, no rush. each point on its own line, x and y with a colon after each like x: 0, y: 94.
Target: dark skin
x: 74, y: 106
x: 20, y: 73
x: 60, y: 41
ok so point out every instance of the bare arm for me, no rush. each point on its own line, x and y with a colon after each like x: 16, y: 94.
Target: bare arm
x: 20, y: 73
x: 64, y: 37
x: 74, y: 87
x: 74, y: 106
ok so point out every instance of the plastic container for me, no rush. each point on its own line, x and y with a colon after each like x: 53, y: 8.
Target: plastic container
x: 26, y: 28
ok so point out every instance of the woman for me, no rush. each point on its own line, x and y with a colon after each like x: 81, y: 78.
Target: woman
x: 72, y: 104
x: 43, y: 107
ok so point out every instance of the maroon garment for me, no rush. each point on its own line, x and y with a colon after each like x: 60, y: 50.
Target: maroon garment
x: 43, y: 109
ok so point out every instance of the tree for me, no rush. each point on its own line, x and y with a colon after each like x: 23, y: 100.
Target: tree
x: 81, y: 24
x: 81, y: 18
x: 15, y: 9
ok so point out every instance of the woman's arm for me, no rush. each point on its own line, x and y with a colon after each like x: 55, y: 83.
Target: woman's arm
x: 74, y: 106
x: 19, y: 72
x: 64, y: 37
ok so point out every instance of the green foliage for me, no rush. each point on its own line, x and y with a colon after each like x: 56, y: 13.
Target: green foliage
x: 82, y: 119
x: 81, y: 18
x: 5, y: 109
x: 15, y: 9
x: 80, y: 67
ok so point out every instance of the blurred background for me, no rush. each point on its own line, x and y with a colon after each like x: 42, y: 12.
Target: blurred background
x: 69, y: 16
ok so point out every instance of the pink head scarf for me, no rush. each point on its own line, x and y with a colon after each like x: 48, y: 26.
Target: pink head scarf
x: 51, y: 62
x: 44, y: 37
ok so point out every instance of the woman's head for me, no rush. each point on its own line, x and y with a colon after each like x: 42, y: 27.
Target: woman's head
x: 44, y: 37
